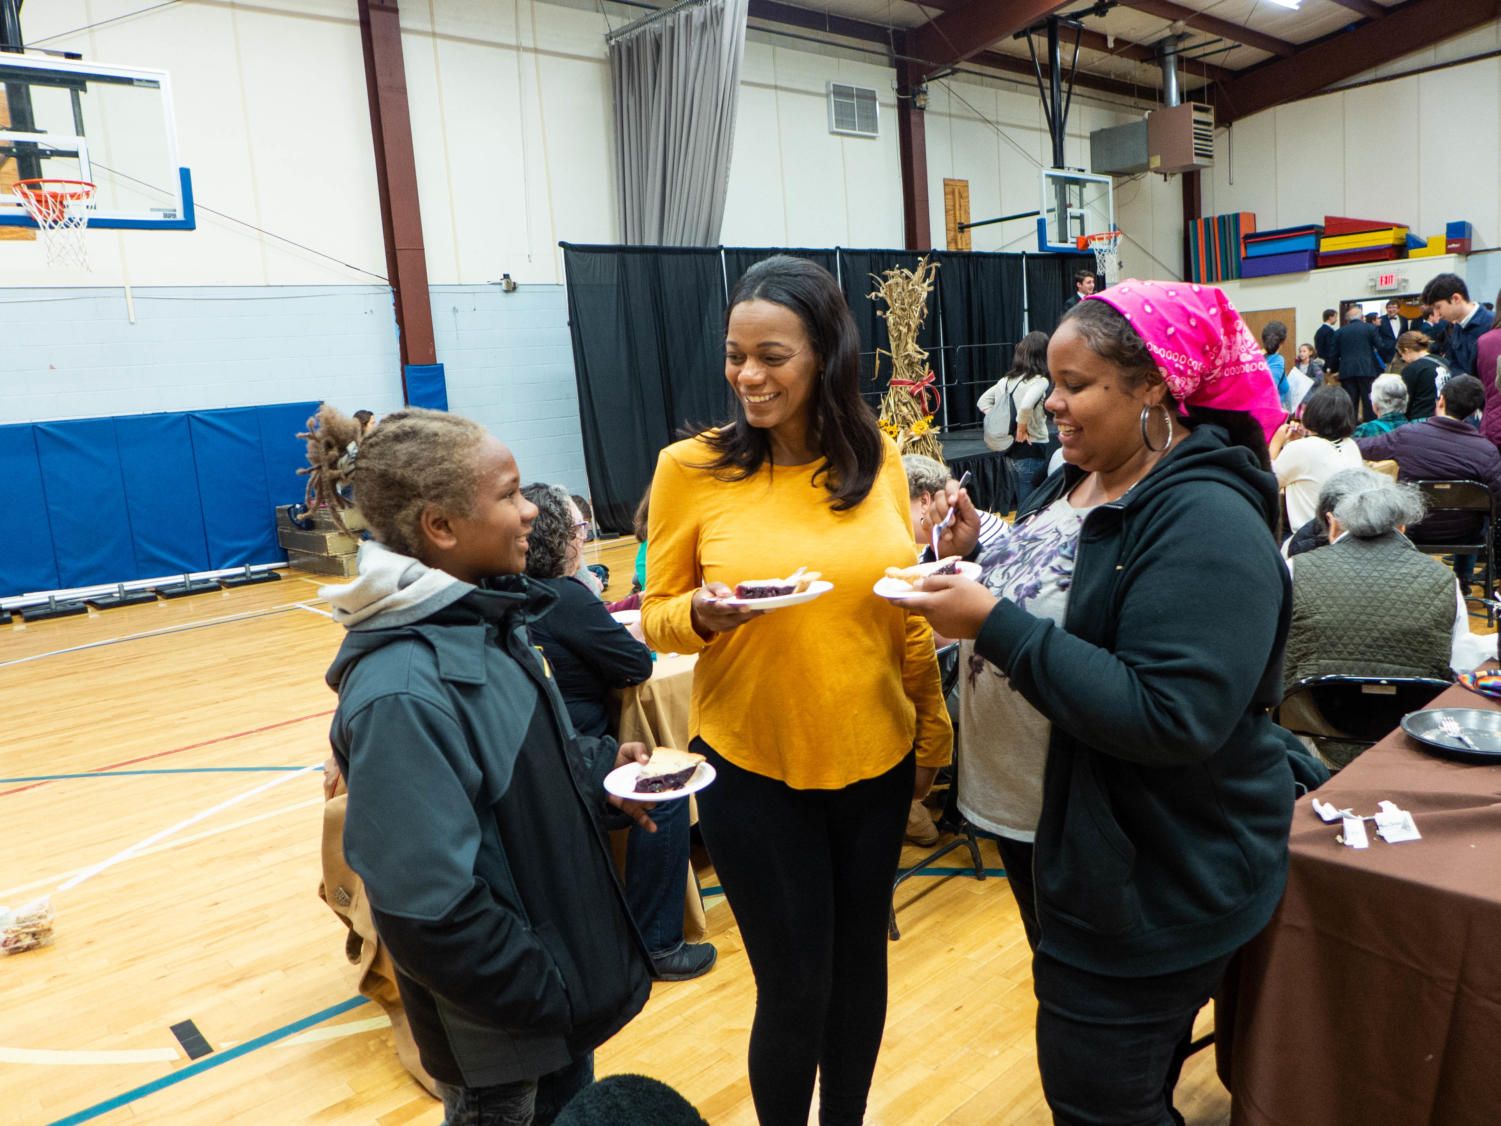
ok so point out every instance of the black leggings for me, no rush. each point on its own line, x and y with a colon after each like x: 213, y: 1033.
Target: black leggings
x: 808, y: 875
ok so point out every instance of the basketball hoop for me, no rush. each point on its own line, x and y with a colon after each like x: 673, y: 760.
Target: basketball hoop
x: 1106, y: 247
x: 61, y: 209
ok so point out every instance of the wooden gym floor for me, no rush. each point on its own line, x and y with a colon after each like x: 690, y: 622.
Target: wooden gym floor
x: 182, y: 740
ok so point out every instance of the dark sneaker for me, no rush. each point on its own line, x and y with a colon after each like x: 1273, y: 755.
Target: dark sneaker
x: 690, y: 960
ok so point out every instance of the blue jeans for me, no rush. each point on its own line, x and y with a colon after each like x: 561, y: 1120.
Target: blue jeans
x: 1029, y: 474
x: 525, y: 1102
x: 656, y: 877
x: 1109, y: 1049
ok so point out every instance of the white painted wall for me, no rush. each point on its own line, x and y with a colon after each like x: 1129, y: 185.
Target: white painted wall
x: 1419, y: 150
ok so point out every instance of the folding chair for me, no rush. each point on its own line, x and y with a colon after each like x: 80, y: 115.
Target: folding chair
x: 1353, y: 710
x: 1464, y: 496
x: 950, y: 820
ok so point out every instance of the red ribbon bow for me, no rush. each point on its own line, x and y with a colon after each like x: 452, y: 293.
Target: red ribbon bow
x: 920, y: 389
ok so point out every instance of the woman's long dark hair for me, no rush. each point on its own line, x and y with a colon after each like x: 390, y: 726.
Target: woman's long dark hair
x: 1030, y: 357
x: 1110, y: 336
x: 843, y: 427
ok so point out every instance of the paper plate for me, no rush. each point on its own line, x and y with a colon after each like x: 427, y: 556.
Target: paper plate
x: 897, y: 589
x: 817, y: 587
x: 622, y: 783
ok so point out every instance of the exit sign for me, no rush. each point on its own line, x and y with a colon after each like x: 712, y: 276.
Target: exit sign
x: 1386, y: 281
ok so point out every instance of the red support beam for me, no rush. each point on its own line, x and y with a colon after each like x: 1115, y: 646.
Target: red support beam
x: 912, y: 144
x: 1345, y: 54
x: 1193, y: 208
x: 1215, y: 26
x: 396, y: 181
x: 963, y: 32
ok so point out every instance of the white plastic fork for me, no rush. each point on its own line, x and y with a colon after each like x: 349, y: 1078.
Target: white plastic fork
x: 947, y: 520
x: 1450, y: 727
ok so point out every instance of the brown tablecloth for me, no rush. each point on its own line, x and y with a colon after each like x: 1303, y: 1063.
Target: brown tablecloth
x: 655, y: 712
x: 1373, y: 997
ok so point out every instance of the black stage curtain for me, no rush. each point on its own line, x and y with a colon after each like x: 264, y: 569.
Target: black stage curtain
x: 738, y: 259
x: 1049, y: 285
x: 981, y: 313
x: 855, y: 268
x: 648, y: 351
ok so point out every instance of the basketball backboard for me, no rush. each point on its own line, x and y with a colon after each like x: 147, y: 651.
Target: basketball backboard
x: 1073, y: 204
x: 112, y: 125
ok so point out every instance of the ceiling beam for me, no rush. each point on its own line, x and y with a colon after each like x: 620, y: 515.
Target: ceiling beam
x: 1403, y: 30
x: 963, y: 32
x: 1120, y: 48
x: 792, y: 16
x: 1368, y: 8
x: 1013, y: 65
x: 788, y: 15
x: 1215, y: 26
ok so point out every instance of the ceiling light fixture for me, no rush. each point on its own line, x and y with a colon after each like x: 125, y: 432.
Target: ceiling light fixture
x: 1293, y: 4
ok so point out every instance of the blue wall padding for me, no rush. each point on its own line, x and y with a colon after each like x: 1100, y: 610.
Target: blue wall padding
x: 282, y: 452
x: 162, y: 494
x: 85, y: 499
x: 426, y: 386
x: 227, y: 449
x: 27, y: 561
x: 107, y: 500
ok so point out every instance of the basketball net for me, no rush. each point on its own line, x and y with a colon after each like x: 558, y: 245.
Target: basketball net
x: 1106, y: 248
x: 61, y: 209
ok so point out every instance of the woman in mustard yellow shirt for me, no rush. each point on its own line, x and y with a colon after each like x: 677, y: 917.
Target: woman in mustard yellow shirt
x: 823, y: 720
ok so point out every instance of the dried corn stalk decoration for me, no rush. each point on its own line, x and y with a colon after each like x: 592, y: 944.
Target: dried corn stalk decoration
x: 912, y: 397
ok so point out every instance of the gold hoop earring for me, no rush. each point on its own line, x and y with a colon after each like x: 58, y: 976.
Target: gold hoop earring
x: 1146, y: 438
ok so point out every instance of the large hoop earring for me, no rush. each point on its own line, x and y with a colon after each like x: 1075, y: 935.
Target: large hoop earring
x: 1146, y: 439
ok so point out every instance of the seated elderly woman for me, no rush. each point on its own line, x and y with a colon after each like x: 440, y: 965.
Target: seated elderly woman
x: 591, y: 656
x: 1389, y: 401
x: 927, y: 478
x: 1370, y: 603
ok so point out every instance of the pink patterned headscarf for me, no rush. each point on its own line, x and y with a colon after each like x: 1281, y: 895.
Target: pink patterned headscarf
x: 1202, y: 347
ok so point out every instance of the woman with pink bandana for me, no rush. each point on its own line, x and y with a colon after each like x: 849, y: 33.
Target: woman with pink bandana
x: 1125, y: 645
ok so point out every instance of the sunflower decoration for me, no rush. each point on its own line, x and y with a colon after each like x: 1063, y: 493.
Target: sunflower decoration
x: 911, y: 398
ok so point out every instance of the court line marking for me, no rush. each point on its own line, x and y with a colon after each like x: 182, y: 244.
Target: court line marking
x: 336, y: 1031
x: 127, y: 853
x: 166, y: 630
x: 53, y: 1058
x: 192, y: 838
x: 163, y: 770
x: 189, y: 747
x: 199, y: 1066
x: 314, y: 610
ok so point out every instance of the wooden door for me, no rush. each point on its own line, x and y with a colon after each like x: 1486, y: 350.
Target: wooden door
x: 1259, y: 319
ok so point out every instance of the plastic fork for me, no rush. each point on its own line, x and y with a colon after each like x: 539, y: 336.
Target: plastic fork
x: 947, y: 520
x: 1450, y: 727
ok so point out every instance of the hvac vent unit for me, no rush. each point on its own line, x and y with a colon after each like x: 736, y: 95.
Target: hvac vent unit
x: 1181, y: 138
x: 852, y: 110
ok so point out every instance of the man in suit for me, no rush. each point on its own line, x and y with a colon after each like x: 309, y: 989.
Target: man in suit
x: 1323, y: 339
x: 1468, y: 322
x: 1083, y: 287
x: 1389, y: 326
x: 1353, y: 358
x: 1433, y: 326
